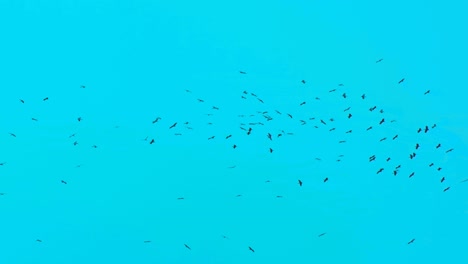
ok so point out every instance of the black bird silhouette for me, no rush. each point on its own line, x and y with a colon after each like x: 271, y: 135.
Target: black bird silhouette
x: 75, y: 143
x: 428, y: 91
x: 419, y: 130
x: 64, y: 182
x: 322, y: 234
x: 450, y: 150
x: 426, y: 129
x: 388, y: 159
x: 300, y: 182
x: 21, y: 100
x: 303, y: 81
x: 228, y: 136
x: 434, y: 125
x: 211, y: 137
x: 323, y: 122
x: 349, y: 131
x: 173, y: 125
x: 156, y: 120
x: 234, y: 146
x: 303, y: 103
x: 290, y: 115
x: 241, y: 72
x: 382, y: 139
x: 395, y: 172
x: 432, y: 164
x: 180, y: 198
x: 438, y: 146
x: 187, y: 246
x: 369, y: 128
x: 402, y: 80
x: 417, y: 145
x: 380, y: 170
x: 215, y: 108
x: 33, y: 119
x: 446, y: 189
x: 381, y: 121
x: 271, y: 150
x: 372, y: 108
x: 439, y: 168
x: 412, y: 240
x: 394, y: 137
x: 350, y: 115
x: 251, y: 249
x: 38, y: 240
x: 269, y: 136
x: 147, y: 241
x: 200, y: 100
x: 325, y: 180
x: 340, y: 84
x: 45, y: 99
x: 443, y: 179
x: 346, y: 109
x: 11, y: 134
x: 152, y: 141
x: 332, y: 90
x: 379, y: 60
x: 411, y: 175
x: 344, y: 95
x: 363, y: 96
x: 82, y: 86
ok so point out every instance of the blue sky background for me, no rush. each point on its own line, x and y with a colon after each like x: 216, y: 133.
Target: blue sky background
x: 137, y: 58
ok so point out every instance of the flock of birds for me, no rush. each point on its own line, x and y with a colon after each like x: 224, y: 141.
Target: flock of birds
x: 248, y: 128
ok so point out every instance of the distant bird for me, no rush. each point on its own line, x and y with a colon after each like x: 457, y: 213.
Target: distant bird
x: 45, y: 99
x: 340, y: 84
x: 241, y: 72
x: 94, y: 146
x: 300, y: 182
x: 290, y: 115
x: 380, y: 170
x: 369, y: 128
x: 350, y: 115
x: 271, y: 150
x: 64, y: 182
x: 395, y: 172
x: 200, y: 100
x: 443, y: 179
x: 211, y: 137
x: 411, y: 175
x: 419, y: 130
x: 156, y: 120
x: 402, y: 80
x: 11, y: 134
x: 388, y: 159
x: 349, y: 131
x: 251, y: 249
x: 439, y: 168
x: 446, y: 189
x: 428, y: 91
x: 379, y: 60
x: 381, y: 121
x: 412, y: 240
x: 187, y: 246
x: 382, y: 139
x: 303, y: 103
x: 228, y: 136
x: 438, y: 146
x: 147, y: 241
x: 22, y: 101
x: 79, y: 119
x: 394, y: 137
x: 75, y: 143
x: 38, y: 240
x: 372, y: 108
x: 180, y: 198
x: 323, y: 122
x: 332, y: 90
x: 426, y: 129
x: 322, y: 234
x: 234, y: 146
x: 3, y: 163
x: 417, y: 145
x: 173, y: 125
x: 33, y: 119
x: 363, y: 96
x: 303, y: 81
x: 325, y: 180
x: 269, y: 136
x: 215, y: 108
x: 82, y: 86
x: 450, y: 150
x: 344, y: 95
x: 432, y: 164
x: 434, y: 125
x: 152, y: 141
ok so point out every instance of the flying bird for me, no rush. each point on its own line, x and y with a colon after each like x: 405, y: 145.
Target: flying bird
x: 322, y: 234
x: 446, y: 189
x: 442, y: 180
x: 152, y: 141
x: 300, y: 182
x: 22, y: 101
x: 64, y: 182
x: 325, y: 180
x: 412, y: 240
x: 156, y: 120
x: 173, y: 125
x: 45, y: 99
x: 241, y: 72
x: 187, y: 246
x: 303, y: 81
x: 428, y: 91
x: 402, y: 80
x: 379, y: 60
x: 251, y: 249
x: 450, y: 150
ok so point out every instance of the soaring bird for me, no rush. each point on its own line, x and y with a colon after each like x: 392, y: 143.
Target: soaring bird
x: 303, y: 81
x: 228, y: 136
x: 152, y: 141
x: 173, y: 125
x: 271, y: 150
x: 22, y: 101
x: 344, y: 95
x: 45, y: 99
x: 381, y: 121
x: 156, y: 120
x: 411, y: 175
x: 438, y: 146
x: 446, y: 189
x: 300, y: 182
x: 251, y: 249
x: 428, y: 91
x: 363, y: 96
x: 380, y: 170
x: 402, y: 80
x: 450, y: 150
x: 412, y: 240
x: 322, y: 234
x: 443, y: 179
x: 395, y: 137
x: 325, y: 180
x: 379, y: 60
x: 417, y: 145
x: 64, y: 182
x: 241, y: 72
x: 187, y: 246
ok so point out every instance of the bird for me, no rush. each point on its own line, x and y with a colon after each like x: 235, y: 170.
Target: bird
x: 322, y: 234
x: 300, y: 182
x: 82, y: 86
x: 303, y: 103
x: 446, y: 189
x: 325, y: 180
x: 412, y: 240
x: 147, y: 241
x: 228, y: 136
x: 344, y: 95
x: 38, y: 240
x: 411, y: 175
x: 33, y: 119
x: 428, y: 91
x: 173, y: 125
x: 11, y: 134
x: 426, y: 129
x: 442, y: 180
x: 269, y: 136
x: 419, y: 130
x: 369, y: 128
x: 381, y: 121
x: 417, y: 145
x: 363, y: 96
x: 152, y: 141
x: 22, y: 101
x: 271, y: 150
x: 349, y: 116
x: 45, y: 99
x: 64, y: 182
x: 251, y: 249
x: 79, y: 119
x: 395, y: 137
x: 438, y: 146
x: 187, y: 246
x: 211, y: 137
x: 156, y: 120
x: 242, y: 72
x: 380, y: 170
x: 180, y: 198
x: 303, y: 81
x: 234, y: 146
x: 379, y: 60
x: 402, y: 80
x: 450, y: 150
x: 215, y: 108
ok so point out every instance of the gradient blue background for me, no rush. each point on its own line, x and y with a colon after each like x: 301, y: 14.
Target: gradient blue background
x: 136, y: 58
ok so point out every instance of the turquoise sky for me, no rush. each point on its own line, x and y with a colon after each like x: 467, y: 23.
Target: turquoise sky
x: 136, y: 60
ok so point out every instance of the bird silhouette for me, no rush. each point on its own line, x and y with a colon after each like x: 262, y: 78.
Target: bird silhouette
x: 187, y: 246
x: 412, y: 240
x: 251, y: 249
x: 402, y: 80
x: 173, y: 125
x: 300, y: 182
